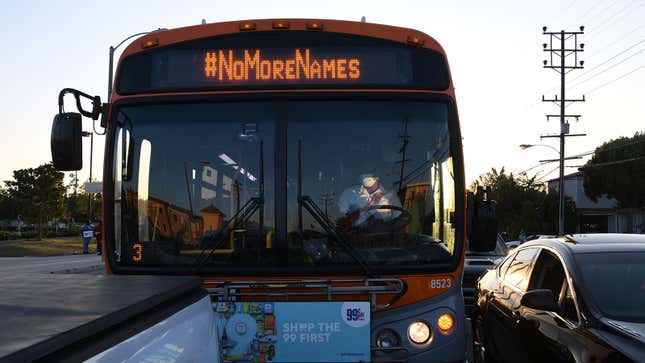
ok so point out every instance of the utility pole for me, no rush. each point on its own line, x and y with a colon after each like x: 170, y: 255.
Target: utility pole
x: 89, y: 195
x: 562, y: 52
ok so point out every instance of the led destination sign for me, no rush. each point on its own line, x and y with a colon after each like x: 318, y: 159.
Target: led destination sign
x: 269, y: 61
x: 225, y: 65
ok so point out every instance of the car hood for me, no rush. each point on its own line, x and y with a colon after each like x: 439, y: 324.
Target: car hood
x: 477, y: 258
x: 626, y: 337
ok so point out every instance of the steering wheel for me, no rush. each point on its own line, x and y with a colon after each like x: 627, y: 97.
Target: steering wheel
x: 375, y: 224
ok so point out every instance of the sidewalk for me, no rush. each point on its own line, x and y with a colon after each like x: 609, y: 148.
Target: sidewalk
x: 55, y: 264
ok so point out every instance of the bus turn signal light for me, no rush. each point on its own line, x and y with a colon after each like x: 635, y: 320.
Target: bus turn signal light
x: 150, y: 43
x: 247, y: 26
x: 415, y: 40
x: 445, y: 323
x: 281, y: 24
x: 314, y: 25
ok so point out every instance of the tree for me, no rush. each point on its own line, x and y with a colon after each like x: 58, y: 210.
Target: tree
x: 617, y: 170
x: 8, y: 208
x: 38, y: 193
x: 524, y: 204
x: 76, y: 207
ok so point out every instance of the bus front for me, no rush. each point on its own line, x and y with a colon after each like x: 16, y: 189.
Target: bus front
x: 310, y: 171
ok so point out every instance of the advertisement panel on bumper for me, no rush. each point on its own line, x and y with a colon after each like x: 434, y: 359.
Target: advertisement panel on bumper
x: 291, y: 332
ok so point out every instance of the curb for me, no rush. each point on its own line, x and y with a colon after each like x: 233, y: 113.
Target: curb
x: 78, y: 270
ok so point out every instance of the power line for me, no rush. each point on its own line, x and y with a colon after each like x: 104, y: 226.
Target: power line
x: 610, y: 163
x: 603, y: 23
x: 615, y: 41
x: 610, y: 59
x: 630, y: 12
x: 615, y: 79
x: 588, y: 11
x: 547, y: 174
x: 608, y: 68
x: 609, y: 148
x: 570, y: 5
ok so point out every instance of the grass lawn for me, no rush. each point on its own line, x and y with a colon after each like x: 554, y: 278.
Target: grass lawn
x: 56, y: 246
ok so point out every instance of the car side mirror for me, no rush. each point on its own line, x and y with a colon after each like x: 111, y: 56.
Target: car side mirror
x: 540, y: 299
x: 66, y: 142
x: 482, y: 220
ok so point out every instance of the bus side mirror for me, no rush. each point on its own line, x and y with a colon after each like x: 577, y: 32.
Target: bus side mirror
x: 67, y: 131
x: 482, y: 220
x: 66, y: 142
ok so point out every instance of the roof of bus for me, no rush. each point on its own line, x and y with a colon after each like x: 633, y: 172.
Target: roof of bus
x: 166, y: 37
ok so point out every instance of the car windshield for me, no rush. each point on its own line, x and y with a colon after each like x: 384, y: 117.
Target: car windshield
x: 615, y: 283
x: 369, y: 181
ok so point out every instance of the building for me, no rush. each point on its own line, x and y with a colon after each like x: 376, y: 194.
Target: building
x: 601, y: 216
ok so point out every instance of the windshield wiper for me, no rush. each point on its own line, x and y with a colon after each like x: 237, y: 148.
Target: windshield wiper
x: 305, y: 201
x: 240, y: 218
x: 330, y: 229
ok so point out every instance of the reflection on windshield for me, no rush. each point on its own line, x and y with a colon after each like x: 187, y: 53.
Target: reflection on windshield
x: 369, y: 193
x: 382, y: 174
x: 199, y: 167
x: 369, y: 183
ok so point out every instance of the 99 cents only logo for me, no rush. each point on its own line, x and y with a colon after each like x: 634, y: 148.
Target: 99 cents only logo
x: 355, y: 314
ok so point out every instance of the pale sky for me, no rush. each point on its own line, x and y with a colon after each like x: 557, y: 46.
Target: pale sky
x: 494, y: 49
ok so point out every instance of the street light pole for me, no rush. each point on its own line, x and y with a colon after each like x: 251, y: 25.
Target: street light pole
x: 526, y: 146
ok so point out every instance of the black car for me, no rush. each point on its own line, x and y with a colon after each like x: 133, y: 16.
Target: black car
x: 578, y: 298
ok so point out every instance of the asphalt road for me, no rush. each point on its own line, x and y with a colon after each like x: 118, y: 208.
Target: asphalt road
x: 57, y: 264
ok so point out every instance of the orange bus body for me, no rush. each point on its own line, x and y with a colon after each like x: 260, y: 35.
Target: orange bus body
x: 418, y: 285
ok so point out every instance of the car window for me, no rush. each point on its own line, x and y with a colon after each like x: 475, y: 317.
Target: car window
x: 504, y: 266
x: 548, y: 273
x: 518, y: 271
x: 567, y: 304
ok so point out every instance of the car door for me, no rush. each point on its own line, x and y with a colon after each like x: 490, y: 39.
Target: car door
x: 503, y: 303
x: 549, y: 335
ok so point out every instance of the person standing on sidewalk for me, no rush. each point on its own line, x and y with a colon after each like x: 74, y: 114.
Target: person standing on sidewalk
x: 98, y: 234
x: 87, y: 233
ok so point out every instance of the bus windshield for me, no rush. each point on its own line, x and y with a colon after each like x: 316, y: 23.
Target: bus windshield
x: 195, y: 184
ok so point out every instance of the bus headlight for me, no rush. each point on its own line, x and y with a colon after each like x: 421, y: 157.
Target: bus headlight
x: 419, y: 332
x: 445, y: 323
x: 387, y: 339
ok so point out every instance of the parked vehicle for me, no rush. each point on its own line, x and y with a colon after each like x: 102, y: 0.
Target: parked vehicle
x: 476, y: 264
x: 514, y: 244
x: 572, y: 299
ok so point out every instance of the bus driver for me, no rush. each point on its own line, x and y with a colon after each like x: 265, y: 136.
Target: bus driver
x: 369, y: 193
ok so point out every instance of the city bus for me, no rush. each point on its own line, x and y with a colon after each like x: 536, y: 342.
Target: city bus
x: 310, y: 172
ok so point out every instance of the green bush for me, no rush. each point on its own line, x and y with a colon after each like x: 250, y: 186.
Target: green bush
x: 67, y: 232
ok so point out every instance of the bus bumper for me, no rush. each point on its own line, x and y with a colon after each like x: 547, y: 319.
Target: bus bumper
x: 452, y: 347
